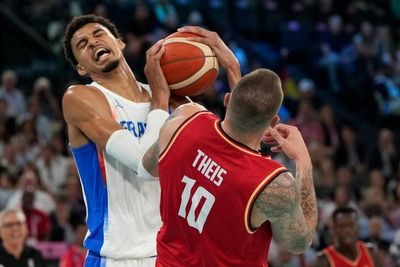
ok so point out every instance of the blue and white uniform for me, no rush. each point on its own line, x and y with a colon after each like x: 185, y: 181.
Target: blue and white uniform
x: 122, y: 211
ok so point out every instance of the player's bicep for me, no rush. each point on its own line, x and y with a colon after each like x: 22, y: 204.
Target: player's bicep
x: 279, y: 204
x: 88, y: 111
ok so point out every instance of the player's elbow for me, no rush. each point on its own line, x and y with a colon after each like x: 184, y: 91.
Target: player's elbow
x: 299, y: 244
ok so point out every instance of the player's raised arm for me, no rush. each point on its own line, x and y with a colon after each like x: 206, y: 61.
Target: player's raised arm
x: 289, y: 203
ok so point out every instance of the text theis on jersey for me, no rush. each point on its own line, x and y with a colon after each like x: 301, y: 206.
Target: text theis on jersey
x: 209, y: 168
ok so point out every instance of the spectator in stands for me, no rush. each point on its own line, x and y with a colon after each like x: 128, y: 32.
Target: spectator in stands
x: 166, y: 15
x: 330, y: 129
x: 38, y: 222
x: 384, y: 155
x: 13, y: 249
x: 7, y: 187
x: 375, y: 236
x: 30, y: 179
x: 394, y: 249
x: 143, y: 23
x: 350, y: 153
x: 61, y: 229
x: 75, y: 256
x: 26, y: 138
x: 5, y: 119
x: 12, y: 160
x: 310, y: 127
x: 394, y: 215
x: 8, y: 90
x: 72, y: 189
x: 43, y: 92
x: 52, y: 168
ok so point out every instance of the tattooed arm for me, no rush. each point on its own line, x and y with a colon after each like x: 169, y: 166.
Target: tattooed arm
x: 150, y: 158
x: 289, y: 203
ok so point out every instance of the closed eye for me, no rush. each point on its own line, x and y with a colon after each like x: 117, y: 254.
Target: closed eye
x: 81, y: 44
x: 98, y: 32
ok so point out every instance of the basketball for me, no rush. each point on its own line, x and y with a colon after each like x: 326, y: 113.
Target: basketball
x: 190, y: 68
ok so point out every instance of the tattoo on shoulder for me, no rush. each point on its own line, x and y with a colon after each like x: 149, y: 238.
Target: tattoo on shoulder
x: 279, y: 197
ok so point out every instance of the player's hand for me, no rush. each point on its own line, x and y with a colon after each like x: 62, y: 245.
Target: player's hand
x: 155, y: 76
x: 225, y: 56
x: 287, y: 139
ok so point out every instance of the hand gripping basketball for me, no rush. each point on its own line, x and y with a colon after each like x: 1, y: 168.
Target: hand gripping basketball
x: 190, y: 68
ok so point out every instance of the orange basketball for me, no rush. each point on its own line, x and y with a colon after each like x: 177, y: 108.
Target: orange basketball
x: 190, y: 68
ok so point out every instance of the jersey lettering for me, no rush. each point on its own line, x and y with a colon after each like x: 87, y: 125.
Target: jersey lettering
x: 209, y: 168
x: 137, y: 128
x: 200, y: 193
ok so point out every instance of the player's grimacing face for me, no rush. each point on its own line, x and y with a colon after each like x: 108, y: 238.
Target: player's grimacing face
x: 95, y: 48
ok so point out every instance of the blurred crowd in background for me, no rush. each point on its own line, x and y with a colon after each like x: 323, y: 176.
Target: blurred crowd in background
x: 339, y: 62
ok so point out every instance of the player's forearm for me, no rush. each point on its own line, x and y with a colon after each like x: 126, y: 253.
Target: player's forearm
x: 124, y: 147
x: 160, y: 100
x: 307, y: 193
x: 233, y: 73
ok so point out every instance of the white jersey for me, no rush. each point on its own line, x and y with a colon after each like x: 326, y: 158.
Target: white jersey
x: 122, y: 211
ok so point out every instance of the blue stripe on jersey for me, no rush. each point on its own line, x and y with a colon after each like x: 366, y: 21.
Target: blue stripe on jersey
x: 93, y: 260
x: 95, y: 194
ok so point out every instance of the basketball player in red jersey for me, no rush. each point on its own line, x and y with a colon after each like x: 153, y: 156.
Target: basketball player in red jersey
x: 347, y: 250
x: 221, y: 199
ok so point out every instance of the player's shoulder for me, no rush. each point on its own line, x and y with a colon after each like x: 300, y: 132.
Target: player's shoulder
x: 190, y: 108
x: 79, y: 90
x: 184, y: 112
x: 79, y: 93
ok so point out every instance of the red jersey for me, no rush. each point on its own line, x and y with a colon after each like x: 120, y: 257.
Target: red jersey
x: 74, y: 257
x: 209, y: 183
x: 336, y: 259
x: 39, y: 225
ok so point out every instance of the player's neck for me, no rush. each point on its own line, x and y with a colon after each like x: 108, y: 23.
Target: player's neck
x: 251, y: 140
x: 350, y: 253
x: 118, y: 80
x: 13, y: 249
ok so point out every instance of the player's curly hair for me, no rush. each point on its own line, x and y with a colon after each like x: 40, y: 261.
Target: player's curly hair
x: 78, y: 22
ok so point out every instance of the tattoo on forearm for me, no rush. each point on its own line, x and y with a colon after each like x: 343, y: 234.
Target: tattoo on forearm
x: 150, y: 160
x: 308, y: 201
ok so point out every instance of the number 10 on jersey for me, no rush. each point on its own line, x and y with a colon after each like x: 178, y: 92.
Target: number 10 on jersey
x: 195, y: 198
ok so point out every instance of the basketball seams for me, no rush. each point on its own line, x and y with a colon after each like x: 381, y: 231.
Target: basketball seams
x: 184, y: 59
x: 208, y: 65
x: 207, y: 51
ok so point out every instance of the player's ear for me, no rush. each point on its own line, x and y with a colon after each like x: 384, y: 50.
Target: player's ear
x: 275, y: 121
x: 121, y: 44
x: 226, y: 99
x: 81, y: 70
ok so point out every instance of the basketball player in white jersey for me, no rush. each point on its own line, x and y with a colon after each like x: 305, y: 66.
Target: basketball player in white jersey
x: 111, y: 123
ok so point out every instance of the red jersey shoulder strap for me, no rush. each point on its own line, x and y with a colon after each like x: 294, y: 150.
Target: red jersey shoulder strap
x: 181, y: 128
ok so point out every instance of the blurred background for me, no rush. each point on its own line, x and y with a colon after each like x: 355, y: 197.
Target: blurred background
x: 339, y: 62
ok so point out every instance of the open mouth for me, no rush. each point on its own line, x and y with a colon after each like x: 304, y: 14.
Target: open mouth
x: 101, y: 53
